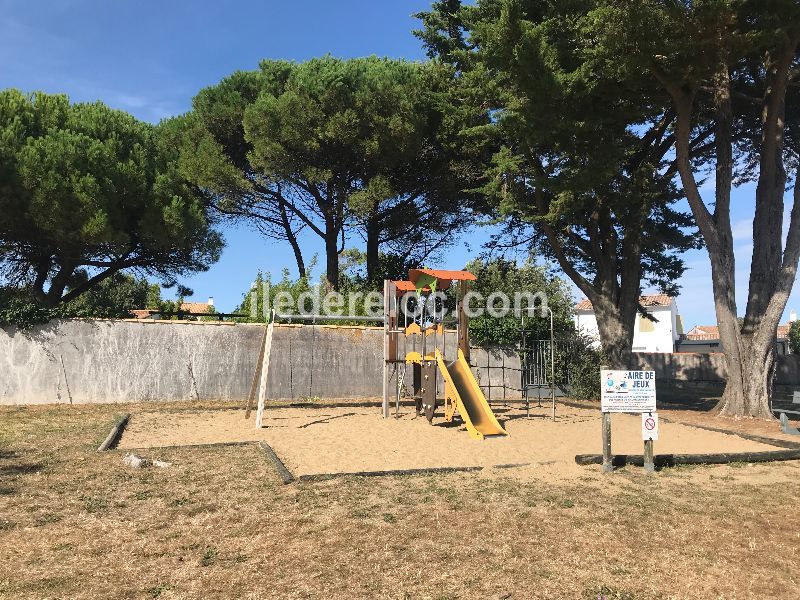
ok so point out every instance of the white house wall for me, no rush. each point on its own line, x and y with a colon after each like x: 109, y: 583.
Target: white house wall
x: 661, y: 339
x: 586, y: 323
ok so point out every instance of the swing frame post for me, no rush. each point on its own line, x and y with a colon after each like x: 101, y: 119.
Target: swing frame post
x: 264, y: 374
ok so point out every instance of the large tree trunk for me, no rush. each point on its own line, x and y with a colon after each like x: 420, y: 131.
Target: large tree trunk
x: 751, y: 360
x: 748, y: 389
x: 298, y: 257
x: 59, y: 282
x: 332, y: 256
x: 615, y: 290
x: 616, y: 334
x: 749, y: 349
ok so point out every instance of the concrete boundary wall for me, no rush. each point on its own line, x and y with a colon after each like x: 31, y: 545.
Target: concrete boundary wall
x: 87, y: 360
x: 709, y: 368
x: 84, y: 361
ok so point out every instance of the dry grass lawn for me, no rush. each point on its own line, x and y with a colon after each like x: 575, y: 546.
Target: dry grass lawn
x: 75, y: 523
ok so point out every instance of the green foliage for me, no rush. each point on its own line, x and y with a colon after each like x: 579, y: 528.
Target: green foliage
x: 114, y: 297
x: 582, y: 368
x: 87, y: 191
x: 286, y: 285
x: 581, y: 170
x: 355, y: 277
x: 794, y: 337
x: 353, y: 291
x: 341, y: 148
x: 576, y: 359
x: 18, y: 308
x: 510, y: 278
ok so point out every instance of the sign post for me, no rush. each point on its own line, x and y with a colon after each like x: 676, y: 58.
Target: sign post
x: 649, y: 435
x: 607, y: 461
x: 629, y: 392
x: 608, y: 465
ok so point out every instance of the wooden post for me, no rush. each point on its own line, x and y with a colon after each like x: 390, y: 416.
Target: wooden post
x: 262, y: 390
x: 463, y: 322
x: 389, y: 340
x: 607, y: 463
x: 386, y: 378
x: 256, y: 375
x: 649, y: 465
x: 608, y: 467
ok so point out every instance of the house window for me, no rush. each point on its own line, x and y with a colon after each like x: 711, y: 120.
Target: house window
x: 646, y: 325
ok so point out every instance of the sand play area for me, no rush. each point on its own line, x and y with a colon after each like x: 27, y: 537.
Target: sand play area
x: 312, y: 441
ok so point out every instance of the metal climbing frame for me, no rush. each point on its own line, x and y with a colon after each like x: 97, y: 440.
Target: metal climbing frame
x: 540, y: 367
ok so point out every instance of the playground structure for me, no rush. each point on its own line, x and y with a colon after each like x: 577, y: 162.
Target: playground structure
x: 412, y: 342
x: 462, y: 394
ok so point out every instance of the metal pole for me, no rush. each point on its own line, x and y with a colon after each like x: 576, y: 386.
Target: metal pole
x: 388, y: 292
x: 552, y: 361
x: 607, y: 462
x: 311, y: 370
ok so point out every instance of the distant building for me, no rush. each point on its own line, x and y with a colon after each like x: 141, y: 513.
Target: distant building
x: 705, y: 338
x: 189, y: 307
x: 199, y: 307
x: 658, y: 335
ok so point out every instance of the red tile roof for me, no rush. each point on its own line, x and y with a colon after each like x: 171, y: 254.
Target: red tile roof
x: 196, y: 307
x: 651, y: 300
x: 190, y: 307
x: 711, y: 332
x: 142, y: 313
x: 703, y: 332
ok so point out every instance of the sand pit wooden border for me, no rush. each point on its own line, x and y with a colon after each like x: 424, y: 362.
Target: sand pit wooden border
x: 113, y: 437
x: 205, y: 445
x: 388, y: 473
x: 285, y: 473
x: 671, y: 460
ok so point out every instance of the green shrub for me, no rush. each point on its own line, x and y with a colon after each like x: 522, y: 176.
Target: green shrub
x: 18, y: 307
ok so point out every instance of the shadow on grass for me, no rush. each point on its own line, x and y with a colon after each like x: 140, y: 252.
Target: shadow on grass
x: 11, y: 469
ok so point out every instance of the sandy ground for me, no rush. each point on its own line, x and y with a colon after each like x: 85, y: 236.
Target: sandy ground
x: 354, y: 439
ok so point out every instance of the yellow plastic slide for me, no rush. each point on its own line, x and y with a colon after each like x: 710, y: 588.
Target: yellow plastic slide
x: 464, y: 392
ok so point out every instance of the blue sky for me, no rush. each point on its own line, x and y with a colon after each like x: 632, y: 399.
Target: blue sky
x: 150, y: 58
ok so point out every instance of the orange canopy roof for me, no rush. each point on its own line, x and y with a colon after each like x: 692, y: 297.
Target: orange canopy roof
x: 404, y: 286
x: 444, y: 279
x: 413, y: 275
